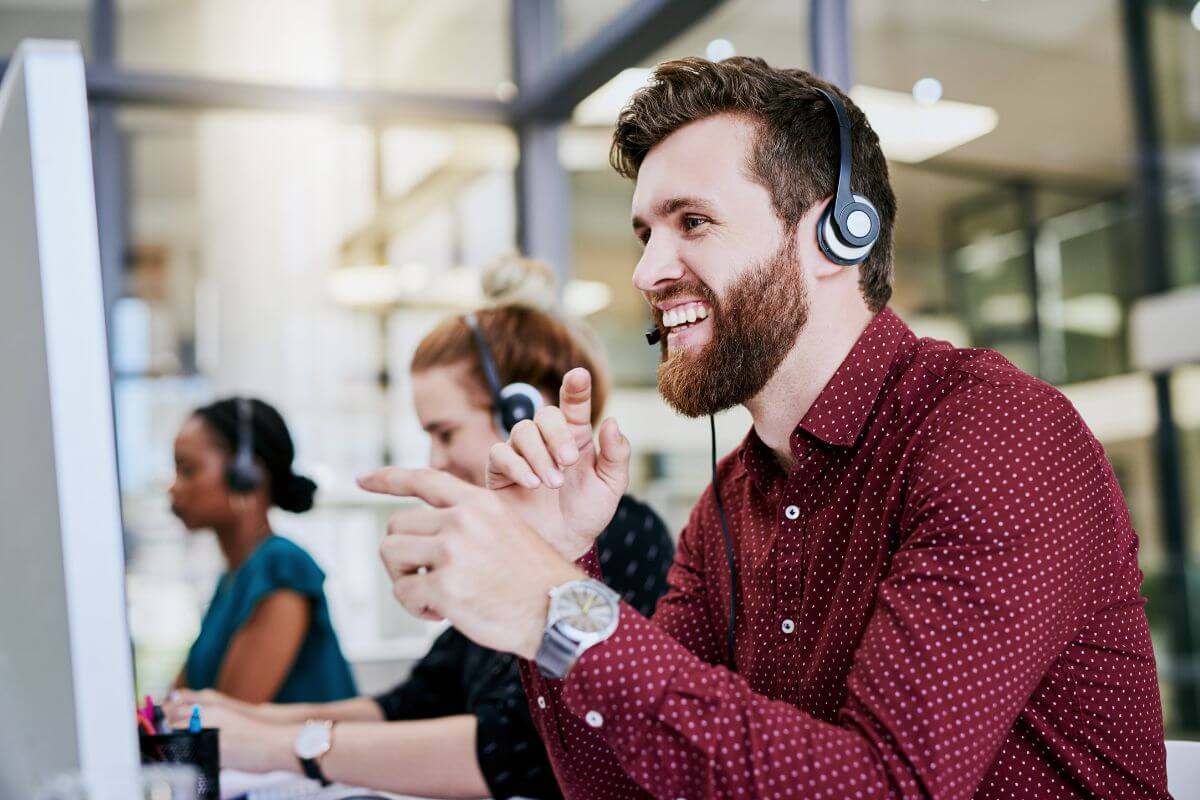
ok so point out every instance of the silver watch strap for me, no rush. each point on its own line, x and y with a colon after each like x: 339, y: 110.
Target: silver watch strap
x: 556, y: 654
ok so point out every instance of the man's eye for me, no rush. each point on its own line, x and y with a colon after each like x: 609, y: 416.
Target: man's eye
x: 691, y: 223
x: 445, y: 436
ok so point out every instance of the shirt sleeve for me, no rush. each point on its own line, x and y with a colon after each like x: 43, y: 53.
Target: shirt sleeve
x: 434, y: 687
x: 682, y: 615
x: 947, y: 661
x: 279, y: 565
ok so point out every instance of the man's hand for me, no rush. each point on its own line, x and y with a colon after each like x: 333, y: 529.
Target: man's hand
x: 556, y: 477
x: 470, y: 558
x: 247, y: 743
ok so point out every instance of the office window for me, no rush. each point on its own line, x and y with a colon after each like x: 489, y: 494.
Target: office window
x: 449, y: 47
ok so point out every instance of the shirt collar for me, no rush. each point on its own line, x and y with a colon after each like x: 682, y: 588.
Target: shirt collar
x: 839, y: 414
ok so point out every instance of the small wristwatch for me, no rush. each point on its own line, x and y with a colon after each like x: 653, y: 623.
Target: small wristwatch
x: 314, y: 740
x: 582, y: 614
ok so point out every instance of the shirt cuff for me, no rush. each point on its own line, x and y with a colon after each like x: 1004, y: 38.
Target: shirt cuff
x: 618, y: 686
x: 589, y: 562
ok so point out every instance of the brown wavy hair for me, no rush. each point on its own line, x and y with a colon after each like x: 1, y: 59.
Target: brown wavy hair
x: 527, y: 345
x: 796, y: 154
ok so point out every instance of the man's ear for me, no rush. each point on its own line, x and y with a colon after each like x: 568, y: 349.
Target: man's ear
x: 815, y: 262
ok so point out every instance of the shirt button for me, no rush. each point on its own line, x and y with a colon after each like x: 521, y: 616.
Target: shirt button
x: 593, y: 718
x: 792, y: 512
x: 788, y: 626
x: 541, y: 702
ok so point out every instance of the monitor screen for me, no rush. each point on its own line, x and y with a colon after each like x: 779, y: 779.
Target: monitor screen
x: 66, y: 682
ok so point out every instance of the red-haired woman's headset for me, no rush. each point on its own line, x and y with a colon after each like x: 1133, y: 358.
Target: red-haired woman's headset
x: 511, y: 402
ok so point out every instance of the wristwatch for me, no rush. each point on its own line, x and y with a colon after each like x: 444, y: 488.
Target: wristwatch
x: 582, y: 613
x: 314, y: 740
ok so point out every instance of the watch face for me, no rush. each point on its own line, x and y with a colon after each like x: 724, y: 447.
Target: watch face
x: 313, y: 740
x: 584, y: 609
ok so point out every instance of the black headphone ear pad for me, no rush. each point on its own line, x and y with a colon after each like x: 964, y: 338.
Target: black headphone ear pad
x: 518, y: 401
x: 241, y: 477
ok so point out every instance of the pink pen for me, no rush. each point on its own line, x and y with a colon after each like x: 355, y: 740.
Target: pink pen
x: 148, y: 709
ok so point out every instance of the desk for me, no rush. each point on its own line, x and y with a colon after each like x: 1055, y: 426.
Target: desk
x: 288, y: 786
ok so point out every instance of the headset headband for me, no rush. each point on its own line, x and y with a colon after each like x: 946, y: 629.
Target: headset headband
x: 842, y: 196
x: 485, y: 355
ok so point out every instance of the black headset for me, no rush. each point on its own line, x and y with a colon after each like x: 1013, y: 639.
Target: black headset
x: 242, y: 474
x: 848, y: 229
x: 511, y: 402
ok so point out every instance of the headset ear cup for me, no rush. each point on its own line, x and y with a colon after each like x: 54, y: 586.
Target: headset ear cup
x: 242, y: 478
x: 838, y: 251
x: 518, y: 401
x: 859, y: 224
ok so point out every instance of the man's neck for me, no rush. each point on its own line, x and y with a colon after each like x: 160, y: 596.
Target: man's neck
x: 821, y: 347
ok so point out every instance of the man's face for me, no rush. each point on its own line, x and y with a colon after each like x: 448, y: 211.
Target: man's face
x: 719, y: 267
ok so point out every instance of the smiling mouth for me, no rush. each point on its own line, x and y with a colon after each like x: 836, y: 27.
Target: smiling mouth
x: 680, y: 318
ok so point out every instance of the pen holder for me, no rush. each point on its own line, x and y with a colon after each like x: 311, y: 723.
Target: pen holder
x: 200, y: 750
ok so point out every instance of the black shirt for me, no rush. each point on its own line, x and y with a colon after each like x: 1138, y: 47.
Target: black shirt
x: 458, y: 676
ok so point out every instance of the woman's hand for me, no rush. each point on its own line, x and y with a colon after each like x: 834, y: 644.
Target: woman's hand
x: 247, y: 743
x: 186, y: 698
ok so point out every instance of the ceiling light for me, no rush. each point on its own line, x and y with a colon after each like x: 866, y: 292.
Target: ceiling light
x: 910, y: 132
x: 602, y: 106
x: 505, y: 91
x: 582, y: 298
x: 1093, y: 314
x: 719, y: 50
x: 369, y: 286
x: 1006, y: 310
x: 927, y: 91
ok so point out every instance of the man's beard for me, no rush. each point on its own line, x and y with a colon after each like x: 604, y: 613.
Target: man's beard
x: 753, y: 328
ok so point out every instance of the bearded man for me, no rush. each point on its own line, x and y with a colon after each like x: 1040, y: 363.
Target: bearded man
x: 916, y: 577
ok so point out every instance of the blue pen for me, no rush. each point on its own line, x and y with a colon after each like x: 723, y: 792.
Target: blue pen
x: 194, y: 722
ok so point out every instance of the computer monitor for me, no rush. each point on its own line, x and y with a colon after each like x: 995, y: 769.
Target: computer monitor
x: 66, y: 676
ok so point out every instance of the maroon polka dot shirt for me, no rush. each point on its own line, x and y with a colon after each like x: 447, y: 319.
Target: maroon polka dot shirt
x: 940, y: 598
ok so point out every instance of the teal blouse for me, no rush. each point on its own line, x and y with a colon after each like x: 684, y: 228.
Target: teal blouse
x: 320, y: 672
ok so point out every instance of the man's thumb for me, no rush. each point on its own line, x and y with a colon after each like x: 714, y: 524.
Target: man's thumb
x: 612, y: 458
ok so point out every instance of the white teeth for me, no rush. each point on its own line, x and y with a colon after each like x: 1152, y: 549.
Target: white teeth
x: 684, y: 314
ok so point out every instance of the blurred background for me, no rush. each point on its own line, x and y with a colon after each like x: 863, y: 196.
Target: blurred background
x: 291, y: 192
